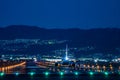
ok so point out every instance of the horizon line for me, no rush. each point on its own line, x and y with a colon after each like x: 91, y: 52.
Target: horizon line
x: 60, y: 27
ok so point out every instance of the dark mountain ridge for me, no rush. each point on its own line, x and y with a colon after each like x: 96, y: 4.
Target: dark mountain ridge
x: 102, y: 37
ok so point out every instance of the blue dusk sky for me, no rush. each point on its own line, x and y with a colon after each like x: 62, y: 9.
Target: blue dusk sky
x: 61, y: 13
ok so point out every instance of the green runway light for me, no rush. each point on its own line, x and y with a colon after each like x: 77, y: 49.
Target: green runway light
x: 91, y: 73
x: 76, y: 73
x: 119, y: 73
x: 46, y: 73
x: 106, y: 73
x: 61, y: 73
x: 16, y: 73
x: 32, y: 73
x: 2, y: 74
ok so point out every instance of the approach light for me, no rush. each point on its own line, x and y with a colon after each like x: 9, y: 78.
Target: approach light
x: 91, y: 73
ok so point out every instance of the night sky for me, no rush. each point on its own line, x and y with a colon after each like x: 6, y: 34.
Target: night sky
x: 61, y: 13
